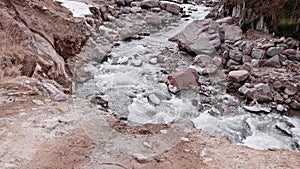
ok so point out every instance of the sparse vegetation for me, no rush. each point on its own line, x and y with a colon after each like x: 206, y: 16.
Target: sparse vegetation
x: 10, y: 52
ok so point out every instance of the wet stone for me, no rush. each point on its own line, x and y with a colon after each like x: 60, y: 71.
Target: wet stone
x: 154, y: 99
x: 184, y: 79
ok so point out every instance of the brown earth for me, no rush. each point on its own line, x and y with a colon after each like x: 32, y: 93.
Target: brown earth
x: 54, y: 135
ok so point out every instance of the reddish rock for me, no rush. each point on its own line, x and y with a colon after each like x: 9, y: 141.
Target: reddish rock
x: 239, y: 75
x: 170, y: 7
x: 184, y: 79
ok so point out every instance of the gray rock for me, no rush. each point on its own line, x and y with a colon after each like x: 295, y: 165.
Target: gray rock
x: 272, y: 51
x: 257, y: 53
x: 236, y: 55
x: 199, y: 37
x: 98, y: 54
x: 273, y: 62
x: 85, y: 72
x: 238, y: 76
x: 146, y: 4
x: 170, y: 7
x: 255, y: 63
x: 154, y: 21
x: 125, y: 33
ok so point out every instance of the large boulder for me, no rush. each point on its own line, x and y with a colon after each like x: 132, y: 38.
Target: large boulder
x: 199, y: 37
x: 233, y: 33
x: 184, y: 79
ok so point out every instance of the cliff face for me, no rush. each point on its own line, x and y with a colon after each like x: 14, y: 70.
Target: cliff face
x: 278, y: 16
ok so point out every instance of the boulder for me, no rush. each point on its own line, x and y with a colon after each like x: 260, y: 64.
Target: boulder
x: 170, y: 7
x: 199, y: 37
x: 233, y: 33
x: 147, y: 4
x: 273, y: 62
x: 154, y: 21
x: 184, y: 79
x: 85, y: 73
x: 238, y: 75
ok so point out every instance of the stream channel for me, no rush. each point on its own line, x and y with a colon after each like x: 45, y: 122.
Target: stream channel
x: 133, y: 81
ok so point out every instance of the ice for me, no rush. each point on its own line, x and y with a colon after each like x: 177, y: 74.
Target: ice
x: 78, y: 9
x: 264, y: 141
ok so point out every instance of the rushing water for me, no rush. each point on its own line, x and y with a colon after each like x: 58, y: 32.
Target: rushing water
x: 139, y: 69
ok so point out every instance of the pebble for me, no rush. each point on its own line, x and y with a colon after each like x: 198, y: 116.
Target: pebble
x: 184, y: 139
x: 38, y: 102
x: 147, y: 145
x: 163, y: 131
x: 154, y: 99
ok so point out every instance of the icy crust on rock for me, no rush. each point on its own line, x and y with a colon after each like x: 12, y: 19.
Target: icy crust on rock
x: 78, y: 9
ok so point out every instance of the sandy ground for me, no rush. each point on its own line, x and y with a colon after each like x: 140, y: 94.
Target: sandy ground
x: 40, y: 133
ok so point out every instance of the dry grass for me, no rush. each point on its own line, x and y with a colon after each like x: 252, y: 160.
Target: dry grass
x: 11, y: 55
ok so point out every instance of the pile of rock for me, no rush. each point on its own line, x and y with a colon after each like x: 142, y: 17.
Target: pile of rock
x: 259, y: 67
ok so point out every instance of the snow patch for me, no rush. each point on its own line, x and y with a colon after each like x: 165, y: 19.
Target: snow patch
x: 78, y: 9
